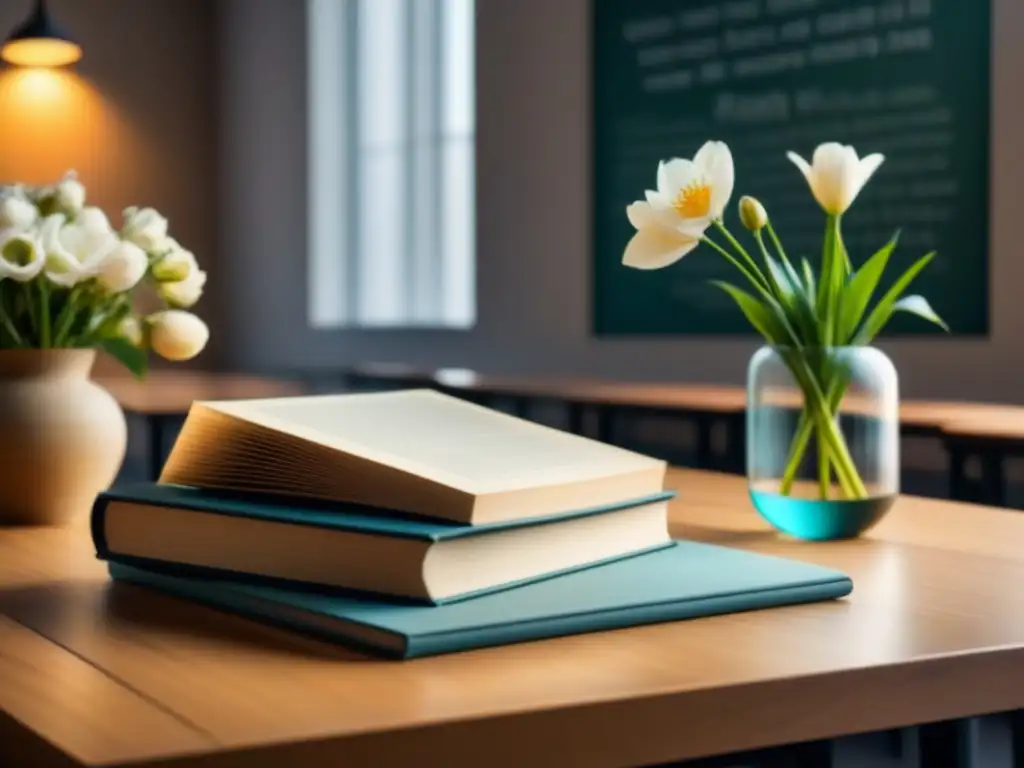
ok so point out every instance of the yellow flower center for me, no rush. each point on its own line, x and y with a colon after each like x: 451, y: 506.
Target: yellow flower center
x: 693, y: 201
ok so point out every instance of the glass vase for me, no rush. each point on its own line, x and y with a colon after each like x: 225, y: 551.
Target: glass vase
x: 822, y: 439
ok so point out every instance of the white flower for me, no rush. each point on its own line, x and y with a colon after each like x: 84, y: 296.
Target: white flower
x: 144, y: 227
x: 74, y: 252
x: 177, y: 265
x: 17, y: 213
x: 177, y: 335
x: 693, y: 193
x: 93, y: 219
x: 130, y: 330
x: 837, y: 175
x: 69, y: 195
x: 656, y: 244
x: 184, y: 293
x: 122, y: 268
x: 21, y: 256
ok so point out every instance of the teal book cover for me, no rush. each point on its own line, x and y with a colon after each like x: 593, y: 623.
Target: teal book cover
x: 340, y: 516
x: 334, y: 515
x: 684, y: 581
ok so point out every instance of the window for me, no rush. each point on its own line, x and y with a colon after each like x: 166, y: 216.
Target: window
x: 392, y: 203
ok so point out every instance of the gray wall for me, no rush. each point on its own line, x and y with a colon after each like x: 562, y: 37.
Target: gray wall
x: 136, y: 117
x: 533, y: 225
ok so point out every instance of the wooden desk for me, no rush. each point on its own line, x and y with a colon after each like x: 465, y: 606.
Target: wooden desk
x: 93, y: 674
x: 165, y: 395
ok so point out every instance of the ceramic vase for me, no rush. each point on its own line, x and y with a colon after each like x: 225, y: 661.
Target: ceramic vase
x: 62, y: 436
x: 822, y: 439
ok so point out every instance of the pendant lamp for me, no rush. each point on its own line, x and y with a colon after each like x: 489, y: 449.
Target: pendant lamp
x: 39, y: 42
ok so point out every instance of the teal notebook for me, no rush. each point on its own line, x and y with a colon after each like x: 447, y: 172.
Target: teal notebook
x: 683, y: 581
x: 340, y: 546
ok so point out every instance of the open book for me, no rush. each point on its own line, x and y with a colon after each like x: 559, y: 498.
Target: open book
x: 414, y: 451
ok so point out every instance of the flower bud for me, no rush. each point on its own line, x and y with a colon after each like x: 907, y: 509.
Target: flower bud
x: 145, y: 227
x: 69, y: 196
x: 184, y: 293
x: 177, y: 335
x: 752, y: 214
x: 17, y: 213
x: 175, y: 266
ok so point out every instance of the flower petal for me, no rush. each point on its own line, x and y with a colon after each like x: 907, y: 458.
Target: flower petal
x: 655, y: 247
x: 714, y: 161
x: 868, y: 166
x: 675, y: 175
x: 692, y: 228
x: 641, y: 215
x: 830, y: 163
x: 848, y: 180
x: 804, y: 167
x: 657, y: 200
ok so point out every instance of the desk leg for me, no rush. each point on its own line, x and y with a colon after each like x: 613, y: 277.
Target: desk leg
x: 958, y: 455
x: 736, y: 443
x: 951, y: 744
x: 1017, y: 729
x: 993, y: 478
x: 705, y: 453
x: 576, y: 415
x: 605, y: 416
x: 155, y: 424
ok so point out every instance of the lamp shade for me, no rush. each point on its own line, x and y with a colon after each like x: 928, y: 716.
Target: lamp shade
x: 39, y: 42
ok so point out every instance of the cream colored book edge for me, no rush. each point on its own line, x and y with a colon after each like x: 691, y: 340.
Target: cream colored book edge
x: 375, y: 563
x: 489, y: 466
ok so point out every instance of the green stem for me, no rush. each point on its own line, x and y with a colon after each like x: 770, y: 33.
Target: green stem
x: 742, y: 252
x: 846, y: 470
x: 776, y: 241
x: 759, y: 284
x: 5, y: 317
x: 802, y: 437
x: 44, y: 316
x: 824, y: 481
x: 66, y: 318
x: 822, y: 416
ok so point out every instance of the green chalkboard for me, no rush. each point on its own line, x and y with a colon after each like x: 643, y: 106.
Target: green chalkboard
x: 908, y: 78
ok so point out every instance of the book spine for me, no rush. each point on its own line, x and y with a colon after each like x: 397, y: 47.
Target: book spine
x: 97, y: 526
x: 430, y: 645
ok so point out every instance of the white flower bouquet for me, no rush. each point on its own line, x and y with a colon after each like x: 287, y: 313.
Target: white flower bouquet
x: 802, y: 312
x: 68, y: 278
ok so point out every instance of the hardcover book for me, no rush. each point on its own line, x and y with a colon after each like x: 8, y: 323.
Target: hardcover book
x: 413, y: 451
x: 683, y: 581
x: 342, y: 546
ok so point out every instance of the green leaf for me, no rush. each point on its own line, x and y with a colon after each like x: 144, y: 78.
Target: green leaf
x: 883, y: 310
x: 918, y: 305
x: 808, y: 278
x: 793, y: 276
x: 797, y: 302
x: 764, y: 319
x: 131, y: 357
x: 859, y: 289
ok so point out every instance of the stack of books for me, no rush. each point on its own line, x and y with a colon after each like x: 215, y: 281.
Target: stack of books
x: 412, y: 523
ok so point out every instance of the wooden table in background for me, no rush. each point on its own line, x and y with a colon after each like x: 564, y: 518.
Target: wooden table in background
x: 990, y: 436
x: 707, y: 405
x: 99, y: 674
x: 164, y: 396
